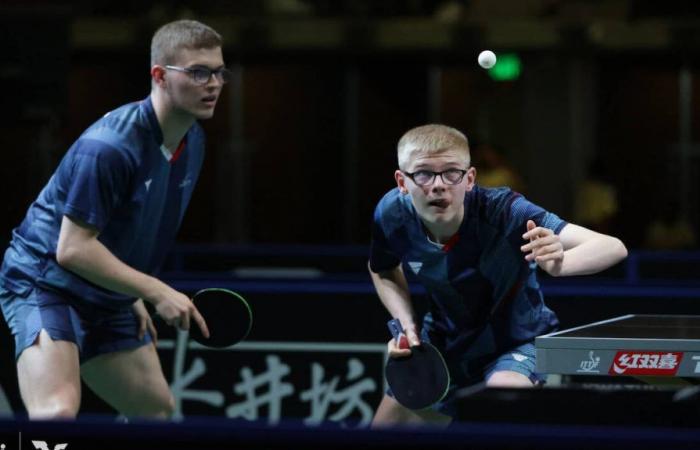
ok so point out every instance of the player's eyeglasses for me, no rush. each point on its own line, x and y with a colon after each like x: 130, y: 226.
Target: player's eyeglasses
x: 427, y: 177
x: 202, y: 75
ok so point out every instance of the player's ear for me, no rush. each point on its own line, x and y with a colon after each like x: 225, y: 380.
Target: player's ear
x: 471, y: 178
x: 401, y: 181
x: 158, y: 74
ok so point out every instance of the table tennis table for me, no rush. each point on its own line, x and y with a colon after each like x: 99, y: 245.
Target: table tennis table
x: 632, y: 345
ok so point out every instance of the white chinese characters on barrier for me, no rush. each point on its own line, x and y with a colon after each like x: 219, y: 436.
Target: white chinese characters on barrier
x: 260, y: 392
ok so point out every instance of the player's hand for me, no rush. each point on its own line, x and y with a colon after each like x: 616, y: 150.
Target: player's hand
x: 545, y: 248
x: 145, y: 321
x: 177, y: 310
x: 402, y: 348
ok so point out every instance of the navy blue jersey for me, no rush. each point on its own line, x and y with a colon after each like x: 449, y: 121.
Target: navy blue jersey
x: 480, y: 279
x: 118, y: 178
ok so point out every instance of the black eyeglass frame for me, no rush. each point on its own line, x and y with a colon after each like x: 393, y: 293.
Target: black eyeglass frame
x: 433, y: 175
x: 199, y: 72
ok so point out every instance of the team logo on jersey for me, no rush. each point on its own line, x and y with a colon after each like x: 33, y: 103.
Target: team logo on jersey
x: 186, y: 182
x: 646, y: 363
x: 415, y: 266
x: 518, y: 357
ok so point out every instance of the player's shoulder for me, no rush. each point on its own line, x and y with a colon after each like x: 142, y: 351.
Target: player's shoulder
x: 495, y: 194
x: 392, y: 202
x: 393, y: 208
x: 121, y: 132
x: 389, y: 198
x: 126, y: 124
x: 493, y: 199
x: 125, y: 117
x: 493, y: 205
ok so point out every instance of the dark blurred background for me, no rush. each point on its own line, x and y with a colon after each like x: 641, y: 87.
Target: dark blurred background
x: 591, y: 112
x: 598, y: 125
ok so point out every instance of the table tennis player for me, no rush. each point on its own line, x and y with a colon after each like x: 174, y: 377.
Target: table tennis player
x: 475, y: 251
x: 79, y: 268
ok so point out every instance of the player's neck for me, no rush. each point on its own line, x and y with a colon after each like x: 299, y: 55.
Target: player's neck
x: 173, y: 123
x: 441, y: 233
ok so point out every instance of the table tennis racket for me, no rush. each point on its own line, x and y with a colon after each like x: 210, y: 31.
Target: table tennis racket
x: 227, y: 314
x: 420, y: 380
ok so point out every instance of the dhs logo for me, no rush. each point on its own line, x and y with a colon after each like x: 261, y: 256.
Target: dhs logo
x: 646, y: 363
x: 43, y: 445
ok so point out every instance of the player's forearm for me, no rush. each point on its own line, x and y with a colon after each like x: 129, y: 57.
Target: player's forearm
x: 91, y: 260
x: 392, y: 289
x: 593, y: 255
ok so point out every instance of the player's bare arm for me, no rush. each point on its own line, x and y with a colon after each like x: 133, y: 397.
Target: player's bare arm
x: 392, y: 289
x: 81, y: 252
x: 576, y: 250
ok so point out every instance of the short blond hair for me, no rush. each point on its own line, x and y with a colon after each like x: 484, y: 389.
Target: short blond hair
x: 172, y: 37
x: 430, y: 140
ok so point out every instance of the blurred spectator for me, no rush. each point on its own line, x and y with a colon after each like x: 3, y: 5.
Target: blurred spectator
x: 493, y: 170
x: 595, y: 204
x: 670, y: 230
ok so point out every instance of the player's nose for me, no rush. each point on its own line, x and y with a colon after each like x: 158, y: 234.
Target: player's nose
x: 215, y: 82
x: 438, y: 184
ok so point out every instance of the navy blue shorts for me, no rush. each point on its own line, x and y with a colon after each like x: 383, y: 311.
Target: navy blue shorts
x: 93, y: 329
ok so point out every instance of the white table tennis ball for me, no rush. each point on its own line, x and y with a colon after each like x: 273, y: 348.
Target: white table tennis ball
x: 487, y: 59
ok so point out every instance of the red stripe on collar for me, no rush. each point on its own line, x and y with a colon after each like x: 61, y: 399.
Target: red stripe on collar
x: 179, y: 150
x: 451, y: 243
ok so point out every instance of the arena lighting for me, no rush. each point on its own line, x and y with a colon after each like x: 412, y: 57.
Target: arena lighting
x: 507, y: 67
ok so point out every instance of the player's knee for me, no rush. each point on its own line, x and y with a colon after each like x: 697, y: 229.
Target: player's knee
x: 168, y: 406
x: 388, y: 413
x: 508, y: 379
x: 163, y: 407
x: 54, y: 409
x: 60, y: 403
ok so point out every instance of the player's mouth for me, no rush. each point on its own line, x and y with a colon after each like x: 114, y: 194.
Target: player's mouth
x: 439, y: 203
x: 209, y: 100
